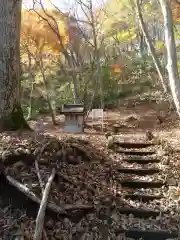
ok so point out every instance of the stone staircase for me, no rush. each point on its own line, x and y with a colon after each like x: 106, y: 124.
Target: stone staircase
x: 138, y: 154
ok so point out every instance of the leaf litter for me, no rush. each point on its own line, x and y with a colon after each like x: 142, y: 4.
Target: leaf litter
x: 86, y: 175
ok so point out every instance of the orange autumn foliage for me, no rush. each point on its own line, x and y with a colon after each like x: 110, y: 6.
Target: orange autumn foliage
x: 38, y: 35
x: 117, y: 68
x: 175, y: 6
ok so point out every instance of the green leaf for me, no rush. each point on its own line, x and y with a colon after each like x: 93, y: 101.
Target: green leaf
x: 148, y: 7
x: 126, y: 35
x: 159, y: 45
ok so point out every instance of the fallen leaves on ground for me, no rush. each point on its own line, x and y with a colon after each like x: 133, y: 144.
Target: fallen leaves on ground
x: 87, y: 175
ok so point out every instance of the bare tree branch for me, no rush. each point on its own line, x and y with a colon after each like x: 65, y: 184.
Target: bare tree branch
x: 42, y: 208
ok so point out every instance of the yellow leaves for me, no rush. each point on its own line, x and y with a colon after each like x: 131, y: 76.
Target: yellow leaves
x: 123, y: 35
x: 126, y: 35
x: 41, y: 30
x: 148, y: 7
x: 159, y: 45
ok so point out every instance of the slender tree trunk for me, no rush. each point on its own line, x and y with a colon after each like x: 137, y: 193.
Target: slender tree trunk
x: 53, y: 114
x: 96, y: 52
x: 11, y: 115
x: 30, y: 101
x: 29, y: 116
x: 150, y: 45
x: 171, y: 53
x: 141, y: 44
x: 100, y: 83
x: 75, y: 92
x: 63, y: 49
x: 73, y: 75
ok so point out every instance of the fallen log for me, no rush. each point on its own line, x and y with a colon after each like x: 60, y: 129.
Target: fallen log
x: 50, y: 206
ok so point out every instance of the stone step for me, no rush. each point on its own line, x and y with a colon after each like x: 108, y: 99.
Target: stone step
x: 140, y: 172
x: 142, y: 161
x: 143, y: 197
x: 140, y: 213
x: 141, y: 184
x: 134, y: 144
x: 138, y: 153
x: 148, y: 234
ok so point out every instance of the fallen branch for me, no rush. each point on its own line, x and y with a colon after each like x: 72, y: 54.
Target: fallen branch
x: 45, y: 235
x: 39, y: 176
x: 37, y: 165
x: 51, y: 206
x: 42, y: 209
x: 32, y: 196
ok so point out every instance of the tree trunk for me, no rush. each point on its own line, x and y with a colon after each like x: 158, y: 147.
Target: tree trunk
x: 96, y: 53
x: 29, y: 116
x: 53, y: 115
x: 75, y: 89
x: 171, y: 53
x: 100, y: 83
x: 30, y: 101
x: 150, y: 45
x: 11, y: 115
x: 141, y: 45
x: 73, y: 75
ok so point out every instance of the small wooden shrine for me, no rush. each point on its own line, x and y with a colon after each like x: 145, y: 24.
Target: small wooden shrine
x: 74, y: 118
